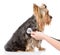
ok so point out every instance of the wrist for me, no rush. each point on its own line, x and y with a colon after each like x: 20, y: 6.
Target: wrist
x: 44, y: 37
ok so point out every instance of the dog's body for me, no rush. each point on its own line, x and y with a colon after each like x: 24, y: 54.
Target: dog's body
x: 20, y: 37
x: 23, y: 41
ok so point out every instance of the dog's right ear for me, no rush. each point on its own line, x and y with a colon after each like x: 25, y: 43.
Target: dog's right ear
x: 35, y: 8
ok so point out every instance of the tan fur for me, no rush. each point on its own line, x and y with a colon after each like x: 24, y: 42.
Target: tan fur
x: 42, y: 16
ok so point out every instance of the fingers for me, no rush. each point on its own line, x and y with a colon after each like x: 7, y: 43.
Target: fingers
x: 33, y: 34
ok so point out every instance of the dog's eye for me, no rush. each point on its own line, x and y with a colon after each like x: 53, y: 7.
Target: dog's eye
x: 41, y: 16
x: 47, y: 12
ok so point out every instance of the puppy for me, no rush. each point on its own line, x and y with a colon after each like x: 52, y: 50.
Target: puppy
x: 21, y: 40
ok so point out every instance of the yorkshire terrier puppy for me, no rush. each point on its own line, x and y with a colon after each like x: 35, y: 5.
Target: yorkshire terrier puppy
x: 21, y: 39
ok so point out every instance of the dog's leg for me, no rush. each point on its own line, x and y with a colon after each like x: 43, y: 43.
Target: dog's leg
x: 39, y: 46
x: 29, y: 48
x: 29, y: 45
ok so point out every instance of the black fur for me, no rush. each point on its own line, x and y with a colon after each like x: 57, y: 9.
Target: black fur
x: 19, y: 39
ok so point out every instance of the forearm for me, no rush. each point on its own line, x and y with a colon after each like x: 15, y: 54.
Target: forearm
x: 53, y: 42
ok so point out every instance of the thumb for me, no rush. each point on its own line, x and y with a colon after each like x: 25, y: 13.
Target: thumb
x: 32, y: 36
x: 32, y: 33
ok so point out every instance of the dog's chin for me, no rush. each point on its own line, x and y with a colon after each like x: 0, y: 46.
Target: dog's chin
x: 48, y: 23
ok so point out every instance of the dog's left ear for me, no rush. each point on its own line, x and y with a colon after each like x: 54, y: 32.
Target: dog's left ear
x: 44, y: 6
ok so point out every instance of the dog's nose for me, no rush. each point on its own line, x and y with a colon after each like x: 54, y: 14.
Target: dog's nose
x: 51, y: 17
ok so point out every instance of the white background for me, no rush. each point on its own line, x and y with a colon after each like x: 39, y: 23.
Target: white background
x: 14, y: 12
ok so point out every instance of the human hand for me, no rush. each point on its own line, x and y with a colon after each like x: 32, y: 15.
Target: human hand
x: 37, y: 35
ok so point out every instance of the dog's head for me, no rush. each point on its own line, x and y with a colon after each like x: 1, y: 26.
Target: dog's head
x: 42, y: 16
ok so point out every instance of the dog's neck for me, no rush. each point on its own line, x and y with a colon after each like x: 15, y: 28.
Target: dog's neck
x: 38, y: 22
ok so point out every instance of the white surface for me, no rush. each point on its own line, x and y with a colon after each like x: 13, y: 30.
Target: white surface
x: 50, y: 50
x: 14, y: 12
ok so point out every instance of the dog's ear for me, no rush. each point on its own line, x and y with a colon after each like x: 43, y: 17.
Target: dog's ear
x: 43, y: 6
x: 35, y: 8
